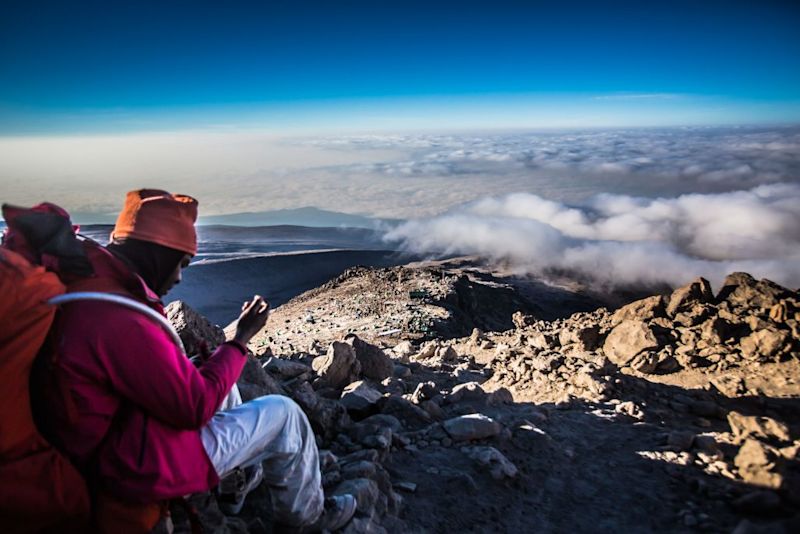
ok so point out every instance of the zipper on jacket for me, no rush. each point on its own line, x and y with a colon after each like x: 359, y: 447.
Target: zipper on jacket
x: 141, y: 448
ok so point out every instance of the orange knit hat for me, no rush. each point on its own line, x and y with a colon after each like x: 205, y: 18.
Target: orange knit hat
x: 159, y: 217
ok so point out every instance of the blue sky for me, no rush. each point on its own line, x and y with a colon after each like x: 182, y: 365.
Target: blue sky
x: 77, y: 67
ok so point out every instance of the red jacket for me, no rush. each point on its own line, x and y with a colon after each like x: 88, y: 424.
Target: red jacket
x: 126, y: 405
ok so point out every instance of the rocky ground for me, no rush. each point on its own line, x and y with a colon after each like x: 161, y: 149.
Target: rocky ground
x: 447, y: 398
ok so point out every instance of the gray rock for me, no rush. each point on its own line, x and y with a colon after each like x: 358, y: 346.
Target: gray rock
x: 193, y: 328
x: 499, y: 466
x: 405, y: 411
x: 360, y: 469
x: 375, y: 364
x: 500, y: 396
x: 255, y: 382
x: 338, y: 367
x: 628, y: 339
x: 424, y: 391
x: 472, y: 426
x: 401, y: 371
x: 469, y: 391
x: 381, y: 419
x: 408, y: 487
x: 285, y: 369
x: 359, y: 398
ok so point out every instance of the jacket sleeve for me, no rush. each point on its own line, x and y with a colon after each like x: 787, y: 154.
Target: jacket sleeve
x: 145, y: 366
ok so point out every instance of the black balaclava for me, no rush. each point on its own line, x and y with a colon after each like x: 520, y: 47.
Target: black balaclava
x: 154, y: 263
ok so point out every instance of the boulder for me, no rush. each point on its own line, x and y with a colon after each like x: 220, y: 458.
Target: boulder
x: 285, y: 369
x: 684, y: 298
x: 750, y: 426
x: 193, y: 328
x: 627, y: 340
x: 255, y: 382
x: 375, y: 364
x: 472, y: 426
x: 327, y: 417
x: 338, y: 367
x: 764, y: 344
x: 743, y: 291
x: 640, y: 310
x: 757, y: 464
x: 405, y: 411
x: 360, y: 399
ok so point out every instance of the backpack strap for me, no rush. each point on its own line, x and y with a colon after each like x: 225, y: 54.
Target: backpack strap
x: 126, y: 302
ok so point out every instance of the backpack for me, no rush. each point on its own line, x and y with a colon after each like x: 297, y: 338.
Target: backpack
x: 40, y: 489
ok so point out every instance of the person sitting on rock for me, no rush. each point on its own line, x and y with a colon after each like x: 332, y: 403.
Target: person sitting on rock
x: 139, y: 419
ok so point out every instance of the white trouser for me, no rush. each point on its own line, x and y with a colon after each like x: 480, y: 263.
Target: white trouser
x: 273, y: 430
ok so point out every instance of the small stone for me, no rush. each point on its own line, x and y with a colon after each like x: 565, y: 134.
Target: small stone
x: 630, y: 409
x: 469, y: 391
x: 408, y: 487
x: 472, y: 426
x: 499, y: 466
x: 424, y: 391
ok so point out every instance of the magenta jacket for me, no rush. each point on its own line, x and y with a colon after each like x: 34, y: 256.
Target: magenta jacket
x: 123, y: 402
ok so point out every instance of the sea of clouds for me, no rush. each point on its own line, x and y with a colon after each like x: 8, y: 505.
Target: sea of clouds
x: 619, y: 240
x: 618, y: 206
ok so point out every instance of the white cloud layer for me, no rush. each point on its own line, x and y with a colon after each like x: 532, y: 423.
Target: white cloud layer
x: 619, y: 240
x: 704, y: 158
x: 396, y: 176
